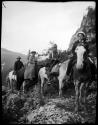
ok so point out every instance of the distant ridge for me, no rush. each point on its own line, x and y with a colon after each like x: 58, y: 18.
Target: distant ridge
x: 10, y: 51
x: 9, y: 57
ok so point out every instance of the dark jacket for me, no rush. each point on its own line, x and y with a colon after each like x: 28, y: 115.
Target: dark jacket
x: 18, y: 65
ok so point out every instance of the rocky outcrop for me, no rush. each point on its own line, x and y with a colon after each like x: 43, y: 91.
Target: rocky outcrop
x: 88, y: 25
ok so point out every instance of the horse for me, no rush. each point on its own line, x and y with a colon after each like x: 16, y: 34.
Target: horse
x: 82, y: 75
x: 42, y: 78
x: 62, y: 75
x: 11, y: 79
x: 20, y: 78
x: 45, y: 76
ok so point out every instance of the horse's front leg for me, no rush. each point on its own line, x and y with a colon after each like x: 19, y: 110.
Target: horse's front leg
x: 23, y: 86
x: 85, y: 92
x: 12, y: 85
x: 81, y: 92
x: 77, y: 95
x: 82, y: 99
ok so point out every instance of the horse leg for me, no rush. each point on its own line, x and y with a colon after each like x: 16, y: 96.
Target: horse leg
x: 80, y: 96
x: 77, y: 95
x: 23, y: 87
x: 42, y: 84
x: 84, y: 100
x: 11, y: 85
x: 9, y: 82
x: 60, y: 87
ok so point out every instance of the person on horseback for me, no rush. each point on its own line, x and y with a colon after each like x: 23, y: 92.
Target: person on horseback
x: 53, y: 56
x: 18, y: 65
x: 81, y: 40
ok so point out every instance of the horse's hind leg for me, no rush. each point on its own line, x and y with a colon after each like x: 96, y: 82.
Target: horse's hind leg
x: 23, y: 87
x: 77, y: 96
x: 42, y: 84
x: 11, y: 84
x: 84, y: 100
x: 60, y: 87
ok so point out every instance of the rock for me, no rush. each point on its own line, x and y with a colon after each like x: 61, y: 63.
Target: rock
x: 88, y: 25
x: 50, y: 114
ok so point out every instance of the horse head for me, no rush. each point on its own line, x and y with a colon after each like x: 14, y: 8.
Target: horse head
x: 80, y: 51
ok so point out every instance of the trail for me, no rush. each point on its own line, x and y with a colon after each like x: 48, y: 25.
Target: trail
x: 29, y: 109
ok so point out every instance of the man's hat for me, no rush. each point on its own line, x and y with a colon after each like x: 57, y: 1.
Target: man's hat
x: 81, y: 32
x: 54, y: 45
x: 18, y: 57
x: 33, y: 52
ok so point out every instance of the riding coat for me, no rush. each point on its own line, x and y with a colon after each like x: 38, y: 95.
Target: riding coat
x: 18, y: 65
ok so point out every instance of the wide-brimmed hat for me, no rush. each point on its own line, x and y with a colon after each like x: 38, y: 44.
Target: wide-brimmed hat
x: 18, y: 57
x: 33, y: 52
x: 81, y: 32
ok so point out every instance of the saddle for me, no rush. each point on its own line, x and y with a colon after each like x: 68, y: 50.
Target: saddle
x: 14, y: 73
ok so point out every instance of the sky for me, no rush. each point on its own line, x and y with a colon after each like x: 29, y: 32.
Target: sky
x: 32, y: 25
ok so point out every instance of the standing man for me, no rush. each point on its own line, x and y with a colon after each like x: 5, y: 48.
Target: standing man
x: 31, y: 69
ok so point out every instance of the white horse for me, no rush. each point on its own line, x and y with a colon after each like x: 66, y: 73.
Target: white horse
x: 43, y: 77
x: 42, y: 57
x: 62, y: 75
x: 11, y: 80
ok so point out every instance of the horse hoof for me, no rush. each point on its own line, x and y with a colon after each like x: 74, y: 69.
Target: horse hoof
x: 76, y: 110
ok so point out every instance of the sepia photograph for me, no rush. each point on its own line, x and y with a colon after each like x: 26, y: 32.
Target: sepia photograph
x: 48, y: 62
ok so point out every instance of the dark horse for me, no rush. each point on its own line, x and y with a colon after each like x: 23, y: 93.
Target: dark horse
x: 83, y: 73
x: 20, y: 77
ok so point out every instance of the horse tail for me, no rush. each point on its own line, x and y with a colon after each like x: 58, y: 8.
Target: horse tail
x: 8, y: 81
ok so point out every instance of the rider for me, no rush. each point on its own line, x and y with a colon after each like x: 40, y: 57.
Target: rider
x: 81, y: 40
x: 53, y: 56
x: 18, y: 65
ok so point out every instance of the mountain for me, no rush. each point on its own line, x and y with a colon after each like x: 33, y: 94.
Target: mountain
x: 88, y: 25
x: 9, y: 57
